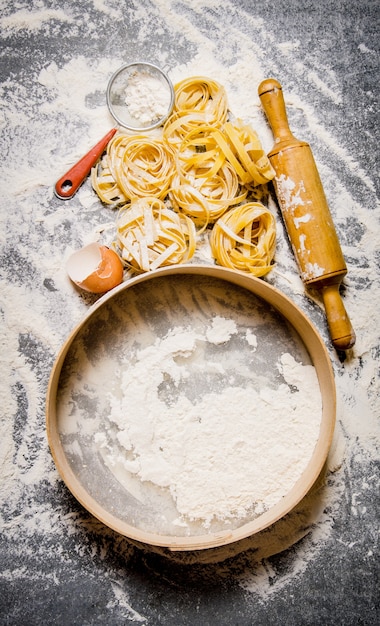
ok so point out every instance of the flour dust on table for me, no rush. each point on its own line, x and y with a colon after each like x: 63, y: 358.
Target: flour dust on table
x: 55, y: 68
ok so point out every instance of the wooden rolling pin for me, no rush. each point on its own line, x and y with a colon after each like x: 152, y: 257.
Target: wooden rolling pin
x: 306, y: 215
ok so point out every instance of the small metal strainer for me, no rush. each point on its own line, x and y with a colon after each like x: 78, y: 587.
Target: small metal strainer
x: 140, y: 97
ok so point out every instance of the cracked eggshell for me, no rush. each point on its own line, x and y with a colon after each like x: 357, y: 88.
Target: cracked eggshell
x: 95, y: 268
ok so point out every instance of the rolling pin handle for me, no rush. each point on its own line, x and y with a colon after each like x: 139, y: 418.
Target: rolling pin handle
x: 272, y: 99
x: 341, y: 331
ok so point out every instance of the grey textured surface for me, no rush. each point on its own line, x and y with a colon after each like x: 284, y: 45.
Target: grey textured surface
x: 58, y: 565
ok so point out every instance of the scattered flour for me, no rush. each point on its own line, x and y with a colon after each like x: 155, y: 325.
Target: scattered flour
x: 221, y: 330
x: 32, y: 21
x: 38, y: 117
x: 224, y: 455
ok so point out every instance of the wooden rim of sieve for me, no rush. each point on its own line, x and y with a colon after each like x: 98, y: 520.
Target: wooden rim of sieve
x: 320, y: 359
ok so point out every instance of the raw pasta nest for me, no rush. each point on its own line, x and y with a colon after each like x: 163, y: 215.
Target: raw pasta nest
x: 214, y: 168
x: 199, y: 101
x: 149, y: 235
x: 205, y: 184
x: 245, y: 239
x: 201, y: 94
x: 241, y: 146
x: 140, y: 166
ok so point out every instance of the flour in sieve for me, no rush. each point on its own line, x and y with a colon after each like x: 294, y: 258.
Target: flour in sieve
x: 146, y: 97
x: 232, y: 449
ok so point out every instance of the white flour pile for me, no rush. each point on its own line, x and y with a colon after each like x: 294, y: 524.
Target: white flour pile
x: 226, y: 453
x: 146, y: 97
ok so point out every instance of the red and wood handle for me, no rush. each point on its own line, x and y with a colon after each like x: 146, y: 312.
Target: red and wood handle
x: 306, y: 215
x: 70, y: 182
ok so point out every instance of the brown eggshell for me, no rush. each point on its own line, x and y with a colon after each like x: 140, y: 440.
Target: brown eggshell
x: 95, y: 268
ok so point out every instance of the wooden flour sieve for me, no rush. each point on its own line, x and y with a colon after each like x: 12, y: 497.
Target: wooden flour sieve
x: 160, y: 301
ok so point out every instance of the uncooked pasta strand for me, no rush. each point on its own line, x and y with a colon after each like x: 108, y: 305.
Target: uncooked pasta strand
x: 105, y: 185
x: 247, y: 145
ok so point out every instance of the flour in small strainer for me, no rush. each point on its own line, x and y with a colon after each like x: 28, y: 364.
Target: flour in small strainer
x: 146, y: 97
x: 229, y: 452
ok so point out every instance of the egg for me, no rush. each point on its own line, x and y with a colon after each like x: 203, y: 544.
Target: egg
x: 95, y: 268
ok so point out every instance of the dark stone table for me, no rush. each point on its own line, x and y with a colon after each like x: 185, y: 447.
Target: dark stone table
x: 59, y: 565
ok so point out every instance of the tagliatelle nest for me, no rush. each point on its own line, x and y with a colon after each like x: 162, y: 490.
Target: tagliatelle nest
x: 140, y: 166
x: 149, y: 235
x: 245, y: 239
x: 199, y: 101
